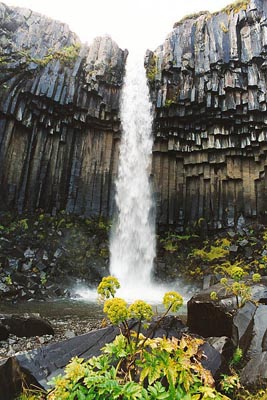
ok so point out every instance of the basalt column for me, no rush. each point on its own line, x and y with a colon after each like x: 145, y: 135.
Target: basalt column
x: 208, y: 83
x: 59, y: 124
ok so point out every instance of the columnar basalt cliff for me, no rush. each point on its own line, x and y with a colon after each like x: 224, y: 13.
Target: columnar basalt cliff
x: 209, y: 85
x: 59, y: 124
x: 60, y: 128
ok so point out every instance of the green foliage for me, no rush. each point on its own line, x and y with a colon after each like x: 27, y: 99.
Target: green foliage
x: 237, y: 356
x: 8, y: 280
x: 256, y: 278
x: 236, y: 273
x: 236, y: 6
x: 151, y: 70
x: 169, y: 102
x: 211, y: 254
x: 66, y: 55
x: 214, y: 296
x: 121, y: 373
x: 170, y: 246
x: 230, y: 383
x: 233, y: 274
x: 223, y: 27
x: 190, y: 16
x: 135, y: 366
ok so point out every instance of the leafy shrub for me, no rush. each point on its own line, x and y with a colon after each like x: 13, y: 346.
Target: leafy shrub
x: 134, y: 366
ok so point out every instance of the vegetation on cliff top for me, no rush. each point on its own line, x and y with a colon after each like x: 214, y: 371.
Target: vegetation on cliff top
x: 234, y: 7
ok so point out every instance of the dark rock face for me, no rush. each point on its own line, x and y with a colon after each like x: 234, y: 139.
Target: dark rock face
x: 208, y: 83
x: 26, y: 325
x: 11, y: 378
x: 245, y: 326
x: 59, y: 124
x: 211, y: 318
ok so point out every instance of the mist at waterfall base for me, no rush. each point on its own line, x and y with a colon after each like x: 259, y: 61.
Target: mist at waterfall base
x: 133, y: 236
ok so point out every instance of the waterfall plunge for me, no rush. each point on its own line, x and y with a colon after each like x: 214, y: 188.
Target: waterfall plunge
x: 132, y: 245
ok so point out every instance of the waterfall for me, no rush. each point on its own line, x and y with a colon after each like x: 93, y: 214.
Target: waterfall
x: 132, y: 244
x: 132, y: 241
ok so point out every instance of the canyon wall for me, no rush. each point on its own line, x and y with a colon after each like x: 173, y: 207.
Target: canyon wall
x: 59, y: 124
x: 60, y: 127
x: 208, y: 85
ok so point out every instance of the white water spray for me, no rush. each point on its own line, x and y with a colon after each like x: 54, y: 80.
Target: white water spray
x: 132, y: 244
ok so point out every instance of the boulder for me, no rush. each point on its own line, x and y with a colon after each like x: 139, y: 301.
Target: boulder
x: 10, y: 379
x: 48, y: 361
x: 258, y: 332
x: 4, y: 333
x: 255, y: 372
x: 207, y: 317
x: 243, y: 326
x: 26, y: 325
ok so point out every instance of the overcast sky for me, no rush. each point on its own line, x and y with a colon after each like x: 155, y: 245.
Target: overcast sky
x: 133, y: 24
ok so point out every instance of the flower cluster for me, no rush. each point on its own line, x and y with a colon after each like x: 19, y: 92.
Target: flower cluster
x: 140, y: 310
x: 108, y: 287
x: 172, y: 301
x: 116, y: 310
x: 237, y: 273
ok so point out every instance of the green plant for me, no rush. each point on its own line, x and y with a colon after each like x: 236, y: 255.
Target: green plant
x: 211, y: 254
x: 152, y: 70
x: 236, y: 6
x: 169, y: 102
x: 135, y: 366
x: 232, y: 285
x: 8, y: 280
x: 237, y: 356
x: 230, y: 383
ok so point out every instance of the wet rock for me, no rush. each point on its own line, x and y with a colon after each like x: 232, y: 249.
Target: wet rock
x: 27, y: 325
x: 69, y: 334
x: 169, y: 326
x: 225, y: 347
x: 4, y: 332
x: 50, y: 360
x: 243, y: 326
x: 243, y: 242
x: 258, y: 333
x: 211, y: 318
x: 233, y: 249
x: 44, y: 363
x: 212, y: 360
x: 255, y: 372
x: 215, y: 318
x: 11, y: 378
x: 29, y: 253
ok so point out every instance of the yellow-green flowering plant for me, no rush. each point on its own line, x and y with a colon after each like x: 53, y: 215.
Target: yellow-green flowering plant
x: 108, y: 287
x: 134, y: 366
